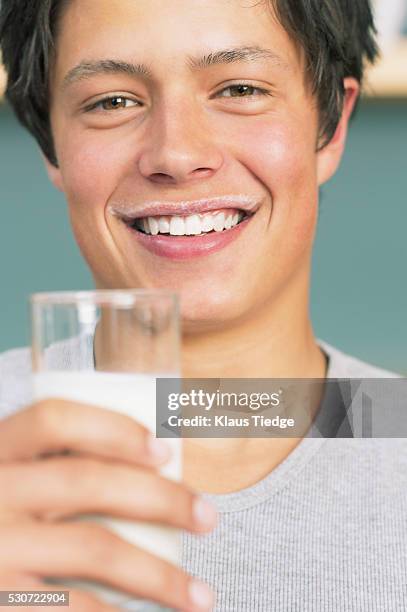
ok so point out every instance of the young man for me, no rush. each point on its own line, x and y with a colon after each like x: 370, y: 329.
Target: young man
x: 155, y: 119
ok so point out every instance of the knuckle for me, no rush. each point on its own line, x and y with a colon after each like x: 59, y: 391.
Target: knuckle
x: 100, y: 544
x: 7, y: 513
x: 134, y: 430
x: 168, y: 579
x: 127, y: 439
x: 165, y: 581
x: 46, y: 416
x: 4, y: 483
x: 153, y: 494
x: 8, y: 581
x: 74, y: 472
x: 84, y: 602
x: 160, y: 496
x: 175, y: 494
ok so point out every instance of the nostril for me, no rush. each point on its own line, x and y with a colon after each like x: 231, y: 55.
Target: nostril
x: 168, y: 179
x: 160, y: 177
x: 204, y: 171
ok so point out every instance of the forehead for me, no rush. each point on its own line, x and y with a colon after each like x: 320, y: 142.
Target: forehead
x: 163, y: 34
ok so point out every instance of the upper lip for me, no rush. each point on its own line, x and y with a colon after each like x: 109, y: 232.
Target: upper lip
x: 130, y: 212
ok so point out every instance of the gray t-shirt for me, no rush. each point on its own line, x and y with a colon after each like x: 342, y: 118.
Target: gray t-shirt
x: 325, y: 531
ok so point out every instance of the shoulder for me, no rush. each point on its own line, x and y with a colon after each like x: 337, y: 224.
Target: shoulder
x: 15, y: 380
x: 342, y: 365
x: 375, y: 400
x: 369, y: 467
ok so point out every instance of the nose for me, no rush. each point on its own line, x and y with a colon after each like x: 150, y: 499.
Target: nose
x: 179, y: 147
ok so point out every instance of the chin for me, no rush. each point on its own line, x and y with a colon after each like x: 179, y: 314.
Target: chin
x: 210, y: 310
x: 205, y: 305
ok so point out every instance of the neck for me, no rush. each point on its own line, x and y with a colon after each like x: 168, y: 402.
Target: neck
x: 274, y: 341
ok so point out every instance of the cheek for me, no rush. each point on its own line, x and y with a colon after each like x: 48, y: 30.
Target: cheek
x: 283, y: 158
x: 87, y: 181
x: 90, y: 173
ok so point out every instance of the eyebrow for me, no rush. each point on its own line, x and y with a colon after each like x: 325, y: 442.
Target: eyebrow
x: 237, y: 54
x: 251, y: 54
x: 85, y: 70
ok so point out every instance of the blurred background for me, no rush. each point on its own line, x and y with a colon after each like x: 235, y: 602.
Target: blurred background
x: 359, y: 287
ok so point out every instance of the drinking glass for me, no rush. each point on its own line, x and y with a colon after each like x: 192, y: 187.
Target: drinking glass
x: 107, y: 348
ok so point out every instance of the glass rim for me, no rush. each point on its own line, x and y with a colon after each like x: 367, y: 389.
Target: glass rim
x: 96, y: 296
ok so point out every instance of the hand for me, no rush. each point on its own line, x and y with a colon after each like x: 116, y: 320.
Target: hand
x: 59, y: 459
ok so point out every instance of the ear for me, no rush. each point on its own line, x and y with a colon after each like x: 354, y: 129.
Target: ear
x: 329, y: 158
x: 54, y: 174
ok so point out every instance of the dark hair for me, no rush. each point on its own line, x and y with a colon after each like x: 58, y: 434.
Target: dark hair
x: 336, y: 36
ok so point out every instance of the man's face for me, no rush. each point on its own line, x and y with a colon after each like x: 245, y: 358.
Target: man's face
x: 236, y: 131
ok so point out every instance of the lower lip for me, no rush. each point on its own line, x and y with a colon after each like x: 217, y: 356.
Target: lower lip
x: 188, y: 247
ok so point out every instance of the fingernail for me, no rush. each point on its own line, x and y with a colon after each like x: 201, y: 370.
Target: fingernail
x: 201, y: 595
x: 204, y: 513
x: 157, y: 449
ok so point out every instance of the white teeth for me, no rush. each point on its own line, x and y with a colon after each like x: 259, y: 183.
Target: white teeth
x: 219, y: 222
x: 164, y: 225
x: 177, y: 226
x: 192, y: 225
x: 153, y: 223
x: 207, y: 223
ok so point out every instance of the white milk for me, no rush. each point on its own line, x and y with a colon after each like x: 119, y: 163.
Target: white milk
x: 133, y: 395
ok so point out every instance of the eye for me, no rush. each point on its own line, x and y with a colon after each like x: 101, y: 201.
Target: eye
x: 242, y: 90
x: 112, y: 103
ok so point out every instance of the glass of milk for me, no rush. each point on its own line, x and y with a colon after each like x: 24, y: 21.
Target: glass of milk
x: 107, y: 348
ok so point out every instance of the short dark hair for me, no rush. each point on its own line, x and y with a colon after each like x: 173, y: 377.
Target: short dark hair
x: 336, y: 36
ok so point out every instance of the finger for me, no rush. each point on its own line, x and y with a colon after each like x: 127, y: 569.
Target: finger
x: 65, y: 486
x: 80, y: 601
x: 89, y: 551
x: 55, y: 425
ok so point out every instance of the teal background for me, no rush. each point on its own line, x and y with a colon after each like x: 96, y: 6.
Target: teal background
x: 359, y: 288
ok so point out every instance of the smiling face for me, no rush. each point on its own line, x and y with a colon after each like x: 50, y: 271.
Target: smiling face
x: 184, y: 109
